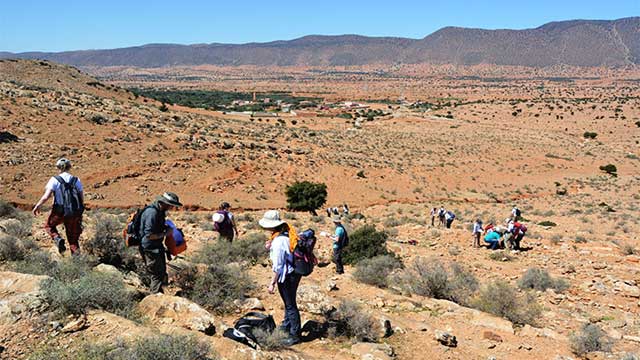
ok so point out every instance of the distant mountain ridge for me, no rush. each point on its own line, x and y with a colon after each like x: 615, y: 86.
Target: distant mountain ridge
x: 574, y: 42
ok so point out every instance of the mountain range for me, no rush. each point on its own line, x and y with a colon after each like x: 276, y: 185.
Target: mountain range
x: 576, y: 42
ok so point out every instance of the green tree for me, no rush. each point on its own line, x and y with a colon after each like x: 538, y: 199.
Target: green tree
x: 306, y: 196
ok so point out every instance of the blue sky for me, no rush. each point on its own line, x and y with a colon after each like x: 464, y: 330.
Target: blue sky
x: 50, y: 25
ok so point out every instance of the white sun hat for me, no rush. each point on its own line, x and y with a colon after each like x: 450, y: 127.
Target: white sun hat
x: 271, y: 219
x: 217, y: 218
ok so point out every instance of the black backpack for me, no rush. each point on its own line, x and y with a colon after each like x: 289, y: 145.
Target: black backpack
x: 71, y: 200
x: 518, y: 212
x: 345, y: 239
x: 303, y: 258
x: 242, y: 330
x: 131, y: 233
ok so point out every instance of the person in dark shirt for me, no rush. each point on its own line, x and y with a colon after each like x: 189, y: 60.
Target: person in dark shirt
x: 152, y: 233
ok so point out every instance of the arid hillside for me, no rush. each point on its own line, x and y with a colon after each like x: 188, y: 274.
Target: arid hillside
x: 470, y: 141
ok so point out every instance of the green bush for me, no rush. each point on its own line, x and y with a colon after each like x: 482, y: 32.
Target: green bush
x: 590, y: 135
x: 375, y: 271
x: 539, y: 279
x: 93, y: 290
x: 610, y: 169
x: 217, y: 287
x: 365, y: 243
x: 547, y: 223
x: 501, y: 299
x: 306, y: 196
x: 352, y: 321
x: 249, y: 248
x: 590, y: 338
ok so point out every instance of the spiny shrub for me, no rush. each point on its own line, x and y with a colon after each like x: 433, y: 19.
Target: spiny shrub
x: 352, y: 321
x: 36, y: 263
x: 107, y: 244
x: 249, y: 248
x: 217, y: 287
x: 270, y: 341
x: 538, y: 279
x: 20, y: 226
x: 92, y: 291
x: 375, y: 271
x: 365, y: 243
x: 430, y: 277
x: 590, y: 338
x: 11, y: 249
x: 7, y: 210
x: 501, y: 299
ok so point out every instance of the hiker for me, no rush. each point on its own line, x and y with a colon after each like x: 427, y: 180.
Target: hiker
x: 340, y: 240
x: 329, y: 212
x: 449, y: 217
x: 68, y: 206
x: 493, y: 239
x: 516, y: 214
x: 335, y: 211
x: 441, y: 216
x: 434, y: 212
x: 281, y: 244
x: 224, y: 223
x: 517, y: 234
x: 152, y: 233
x: 345, y: 209
x: 477, y: 231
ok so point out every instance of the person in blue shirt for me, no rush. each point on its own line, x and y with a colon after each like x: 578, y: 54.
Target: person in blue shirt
x: 340, y: 240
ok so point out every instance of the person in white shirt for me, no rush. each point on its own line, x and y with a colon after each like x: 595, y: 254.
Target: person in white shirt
x: 477, y: 231
x: 281, y: 245
x: 434, y: 212
x: 68, y: 206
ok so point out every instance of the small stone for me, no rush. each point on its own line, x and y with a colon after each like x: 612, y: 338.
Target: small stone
x: 526, y: 347
x: 76, y: 325
x: 331, y: 285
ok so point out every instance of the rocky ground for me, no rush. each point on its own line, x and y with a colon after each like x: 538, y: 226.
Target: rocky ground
x: 479, y: 163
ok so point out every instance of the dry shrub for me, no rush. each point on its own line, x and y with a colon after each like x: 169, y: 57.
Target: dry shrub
x: 501, y: 299
x: 590, y: 338
x: 249, y: 248
x: 540, y: 280
x: 352, y: 321
x: 375, y: 271
x: 270, y: 341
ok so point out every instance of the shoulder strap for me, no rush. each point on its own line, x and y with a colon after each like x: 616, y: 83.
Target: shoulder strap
x: 60, y: 179
x: 73, y: 180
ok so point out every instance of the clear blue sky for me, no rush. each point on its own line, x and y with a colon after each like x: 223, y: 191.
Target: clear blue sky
x: 57, y: 25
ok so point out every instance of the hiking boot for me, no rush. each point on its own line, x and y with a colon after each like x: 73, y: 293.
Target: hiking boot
x: 60, y: 244
x: 291, y: 340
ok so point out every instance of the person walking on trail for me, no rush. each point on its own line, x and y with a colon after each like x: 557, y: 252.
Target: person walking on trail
x: 434, y: 212
x: 152, y: 233
x: 281, y: 244
x: 224, y: 223
x: 441, y: 215
x: 68, y: 207
x: 345, y: 209
x: 477, y: 232
x: 449, y: 217
x: 340, y: 241
x: 516, y: 214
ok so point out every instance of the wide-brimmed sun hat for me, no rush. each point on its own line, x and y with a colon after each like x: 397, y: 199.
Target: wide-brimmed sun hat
x: 271, y: 219
x: 170, y: 199
x: 217, y: 218
x: 336, y: 219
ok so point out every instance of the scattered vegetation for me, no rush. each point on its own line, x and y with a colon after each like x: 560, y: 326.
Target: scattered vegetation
x: 215, y: 288
x: 107, y: 245
x: 590, y: 338
x: 375, y: 271
x: 249, y: 248
x: 352, y: 321
x: 547, y: 223
x: 538, y: 279
x: 306, y: 196
x: 270, y: 341
x: 501, y: 299
x: 365, y: 243
x: 7, y: 210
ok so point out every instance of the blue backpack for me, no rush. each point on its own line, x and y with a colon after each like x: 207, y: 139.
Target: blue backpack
x: 71, y: 200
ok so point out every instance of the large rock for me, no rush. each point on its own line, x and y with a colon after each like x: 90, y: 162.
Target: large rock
x: 19, y: 294
x: 313, y: 300
x: 174, y: 310
x: 371, y: 351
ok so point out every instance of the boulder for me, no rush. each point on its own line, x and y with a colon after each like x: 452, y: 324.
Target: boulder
x: 311, y: 299
x: 19, y: 294
x: 371, y: 351
x: 174, y: 310
x: 249, y: 304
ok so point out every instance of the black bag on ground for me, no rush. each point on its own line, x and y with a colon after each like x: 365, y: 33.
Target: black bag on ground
x: 71, y: 202
x: 242, y: 330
